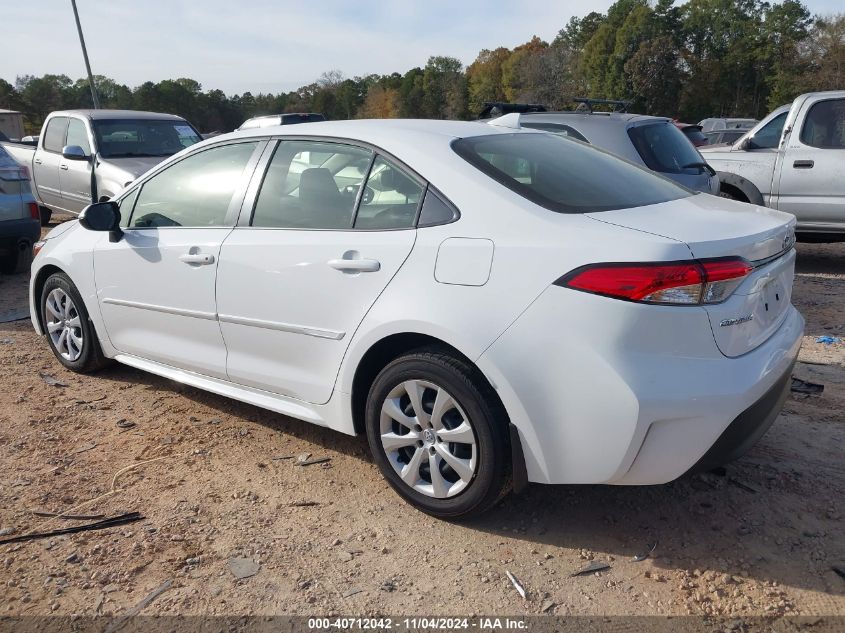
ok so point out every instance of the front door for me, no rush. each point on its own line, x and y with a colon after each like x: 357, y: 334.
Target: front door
x: 156, y: 285
x: 812, y: 173
x: 75, y: 175
x: 295, y: 282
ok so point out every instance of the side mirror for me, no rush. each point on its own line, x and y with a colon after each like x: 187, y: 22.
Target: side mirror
x: 74, y: 152
x: 102, y: 216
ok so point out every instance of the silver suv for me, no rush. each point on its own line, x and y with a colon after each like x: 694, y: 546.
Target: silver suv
x: 654, y: 142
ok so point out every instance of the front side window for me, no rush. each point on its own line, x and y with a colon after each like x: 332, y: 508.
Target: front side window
x: 390, y: 199
x: 311, y: 185
x: 54, y: 135
x: 123, y: 138
x: 126, y: 205
x: 665, y: 149
x: 196, y: 191
x: 78, y: 135
x: 564, y: 176
x: 557, y: 128
x: 768, y: 137
x: 824, y: 126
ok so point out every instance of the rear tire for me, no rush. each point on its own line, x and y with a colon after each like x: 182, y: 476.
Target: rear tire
x: 70, y: 332
x: 462, y: 433
x: 18, y: 261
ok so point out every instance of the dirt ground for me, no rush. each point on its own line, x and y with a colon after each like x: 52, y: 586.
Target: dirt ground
x: 759, y: 540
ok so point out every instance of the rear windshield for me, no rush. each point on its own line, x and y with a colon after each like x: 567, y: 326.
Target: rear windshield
x: 564, y: 176
x: 664, y: 148
x: 143, y: 137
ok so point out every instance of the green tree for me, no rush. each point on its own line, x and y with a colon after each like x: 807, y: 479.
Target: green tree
x: 484, y: 78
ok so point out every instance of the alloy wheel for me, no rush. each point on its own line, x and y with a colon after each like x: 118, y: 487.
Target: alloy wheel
x: 64, y: 324
x: 428, y: 439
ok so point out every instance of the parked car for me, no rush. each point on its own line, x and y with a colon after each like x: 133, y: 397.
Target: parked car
x: 117, y: 145
x: 486, y: 303
x: 290, y: 118
x: 693, y: 133
x: 654, y: 142
x: 20, y: 220
x: 793, y: 160
x: 715, y: 124
x: 724, y: 137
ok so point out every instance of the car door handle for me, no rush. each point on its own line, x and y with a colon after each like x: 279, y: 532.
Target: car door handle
x: 355, y: 265
x: 803, y: 164
x: 201, y: 259
x: 63, y: 167
x: 37, y: 161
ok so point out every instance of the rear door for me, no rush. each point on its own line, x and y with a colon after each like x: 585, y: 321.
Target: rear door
x: 75, y: 175
x: 812, y: 172
x: 46, y: 163
x: 330, y: 226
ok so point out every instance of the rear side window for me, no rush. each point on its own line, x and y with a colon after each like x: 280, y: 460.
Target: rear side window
x: 54, y: 135
x: 563, y: 176
x: 665, y: 149
x: 557, y: 128
x: 390, y: 199
x: 825, y: 125
x: 311, y: 185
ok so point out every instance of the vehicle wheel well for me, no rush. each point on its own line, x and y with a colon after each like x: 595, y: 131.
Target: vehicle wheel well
x: 734, y: 192
x: 38, y: 286
x: 378, y: 356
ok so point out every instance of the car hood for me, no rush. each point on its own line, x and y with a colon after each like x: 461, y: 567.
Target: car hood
x: 125, y: 170
x: 711, y: 226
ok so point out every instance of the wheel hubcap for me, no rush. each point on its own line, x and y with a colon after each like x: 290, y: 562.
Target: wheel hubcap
x: 63, y: 324
x: 428, y: 439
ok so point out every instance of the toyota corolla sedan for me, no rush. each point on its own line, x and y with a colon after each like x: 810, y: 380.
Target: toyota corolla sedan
x: 490, y: 305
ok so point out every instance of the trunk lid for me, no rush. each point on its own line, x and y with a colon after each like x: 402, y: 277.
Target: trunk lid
x: 717, y: 227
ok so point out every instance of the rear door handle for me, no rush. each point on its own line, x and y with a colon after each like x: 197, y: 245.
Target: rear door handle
x: 355, y: 265
x: 197, y: 259
x: 37, y: 161
x: 63, y: 167
x: 803, y: 164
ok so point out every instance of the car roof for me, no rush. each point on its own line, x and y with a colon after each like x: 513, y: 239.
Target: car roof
x: 97, y: 115
x: 591, y: 118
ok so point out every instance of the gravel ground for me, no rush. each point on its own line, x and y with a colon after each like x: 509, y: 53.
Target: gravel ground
x: 225, y: 498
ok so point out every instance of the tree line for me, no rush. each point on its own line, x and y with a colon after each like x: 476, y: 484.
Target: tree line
x: 688, y: 61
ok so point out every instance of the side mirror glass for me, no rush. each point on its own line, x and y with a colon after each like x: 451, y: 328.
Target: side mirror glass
x: 102, y: 216
x: 74, y: 152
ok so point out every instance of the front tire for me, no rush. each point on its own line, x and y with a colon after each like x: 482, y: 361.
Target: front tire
x: 439, y: 435
x: 70, y: 332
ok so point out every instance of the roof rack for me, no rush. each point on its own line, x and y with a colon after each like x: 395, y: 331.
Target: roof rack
x: 618, y: 105
x: 499, y: 108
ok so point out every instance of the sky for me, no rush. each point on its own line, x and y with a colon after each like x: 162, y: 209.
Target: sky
x: 270, y: 45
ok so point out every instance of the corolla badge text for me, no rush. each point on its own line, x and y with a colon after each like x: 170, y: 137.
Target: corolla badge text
x: 736, y: 321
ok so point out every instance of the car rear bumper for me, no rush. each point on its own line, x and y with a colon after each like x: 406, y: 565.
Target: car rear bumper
x: 12, y: 232
x: 605, y: 391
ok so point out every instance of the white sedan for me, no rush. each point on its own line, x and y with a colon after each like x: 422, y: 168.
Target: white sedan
x: 490, y: 305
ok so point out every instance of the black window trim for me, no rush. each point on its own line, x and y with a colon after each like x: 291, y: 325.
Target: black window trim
x: 230, y: 219
x: 247, y: 210
x: 804, y: 125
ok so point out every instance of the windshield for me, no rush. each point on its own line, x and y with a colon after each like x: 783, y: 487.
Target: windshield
x: 564, y: 176
x: 664, y: 148
x: 143, y: 137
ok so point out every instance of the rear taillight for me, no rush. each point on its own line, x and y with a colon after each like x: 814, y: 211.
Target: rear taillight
x: 14, y: 173
x: 34, y: 212
x: 668, y: 283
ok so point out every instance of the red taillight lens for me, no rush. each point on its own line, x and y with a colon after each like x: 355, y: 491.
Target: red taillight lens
x: 671, y: 283
x: 34, y: 212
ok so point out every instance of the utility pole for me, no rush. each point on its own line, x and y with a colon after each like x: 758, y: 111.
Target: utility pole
x: 85, y: 55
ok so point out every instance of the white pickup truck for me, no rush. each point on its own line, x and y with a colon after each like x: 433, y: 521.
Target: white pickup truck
x: 85, y: 156
x: 794, y: 161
